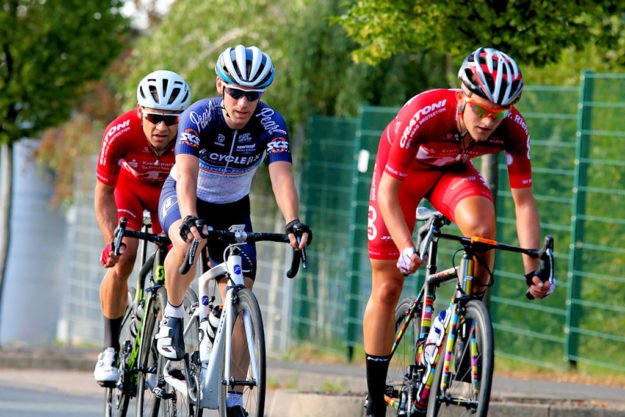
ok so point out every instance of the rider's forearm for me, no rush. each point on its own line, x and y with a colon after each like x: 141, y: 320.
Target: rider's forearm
x: 186, y: 189
x: 105, y: 210
x: 528, y: 231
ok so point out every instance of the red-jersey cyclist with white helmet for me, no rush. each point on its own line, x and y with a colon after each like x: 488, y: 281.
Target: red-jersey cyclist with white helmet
x: 136, y: 156
x: 426, y: 152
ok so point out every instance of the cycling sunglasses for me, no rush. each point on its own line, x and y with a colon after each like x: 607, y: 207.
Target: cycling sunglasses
x: 156, y: 118
x: 237, y: 93
x: 483, y: 111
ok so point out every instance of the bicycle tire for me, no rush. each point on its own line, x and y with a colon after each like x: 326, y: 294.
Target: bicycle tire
x: 460, y: 391
x: 406, y: 335
x: 246, y: 305
x: 117, y: 398
x: 181, y: 405
x: 147, y: 403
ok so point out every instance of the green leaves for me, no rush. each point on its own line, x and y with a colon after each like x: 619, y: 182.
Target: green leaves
x: 531, y: 31
x: 48, y: 50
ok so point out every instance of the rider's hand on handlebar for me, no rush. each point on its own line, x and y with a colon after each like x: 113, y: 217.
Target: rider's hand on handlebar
x: 540, y: 289
x: 409, y: 261
x: 108, y: 259
x: 295, y: 229
x: 192, y: 228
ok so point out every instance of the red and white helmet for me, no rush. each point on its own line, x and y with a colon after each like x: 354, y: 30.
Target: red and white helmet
x: 493, y: 75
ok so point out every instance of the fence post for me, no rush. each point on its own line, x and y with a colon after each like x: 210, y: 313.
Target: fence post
x: 353, y: 286
x: 490, y: 172
x: 579, y: 208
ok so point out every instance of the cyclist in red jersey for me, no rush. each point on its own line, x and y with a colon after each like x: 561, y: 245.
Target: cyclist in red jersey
x: 136, y: 156
x: 425, y: 152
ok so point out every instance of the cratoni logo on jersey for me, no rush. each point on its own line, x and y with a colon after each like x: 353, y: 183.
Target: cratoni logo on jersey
x: 268, y: 123
x: 117, y: 128
x: 278, y: 145
x: 190, y: 137
x: 412, y: 127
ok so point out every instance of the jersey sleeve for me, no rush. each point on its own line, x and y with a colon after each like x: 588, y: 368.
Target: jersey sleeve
x: 277, y: 137
x: 402, y: 135
x: 192, y: 121
x: 111, y: 152
x: 518, y: 152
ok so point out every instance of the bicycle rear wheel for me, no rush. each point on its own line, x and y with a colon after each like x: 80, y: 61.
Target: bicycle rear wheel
x: 470, y: 370
x: 117, y: 398
x: 398, y: 379
x: 247, y: 365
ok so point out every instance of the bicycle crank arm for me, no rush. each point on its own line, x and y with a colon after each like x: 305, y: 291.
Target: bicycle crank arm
x: 235, y: 382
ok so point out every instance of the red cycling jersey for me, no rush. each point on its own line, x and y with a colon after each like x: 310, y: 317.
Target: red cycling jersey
x: 423, y: 148
x: 128, y: 162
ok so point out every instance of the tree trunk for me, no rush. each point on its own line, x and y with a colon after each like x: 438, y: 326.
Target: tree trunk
x: 6, y: 187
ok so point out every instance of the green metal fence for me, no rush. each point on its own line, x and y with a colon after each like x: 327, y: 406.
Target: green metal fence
x: 578, y: 137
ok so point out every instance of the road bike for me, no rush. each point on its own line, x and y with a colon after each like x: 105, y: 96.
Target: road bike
x: 133, y: 393
x: 442, y: 365
x: 214, y: 367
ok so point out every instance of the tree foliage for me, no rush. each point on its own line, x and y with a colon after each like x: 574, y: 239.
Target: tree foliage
x: 312, y: 55
x: 49, y: 49
x: 530, y: 30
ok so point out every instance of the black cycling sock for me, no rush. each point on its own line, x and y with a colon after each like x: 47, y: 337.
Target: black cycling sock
x: 112, y: 329
x: 377, y: 368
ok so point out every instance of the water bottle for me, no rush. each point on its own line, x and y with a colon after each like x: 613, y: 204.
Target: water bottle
x: 136, y: 320
x: 435, y: 338
x: 213, y: 321
x: 208, y: 330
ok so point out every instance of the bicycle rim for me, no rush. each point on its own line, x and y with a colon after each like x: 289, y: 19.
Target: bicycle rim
x: 468, y: 392
x: 184, y: 404
x: 147, y: 403
x: 117, y: 399
x: 248, y: 327
x: 398, y: 382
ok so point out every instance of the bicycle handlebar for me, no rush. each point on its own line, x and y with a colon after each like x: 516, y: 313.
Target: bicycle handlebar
x: 121, y: 231
x: 435, y: 220
x: 299, y: 256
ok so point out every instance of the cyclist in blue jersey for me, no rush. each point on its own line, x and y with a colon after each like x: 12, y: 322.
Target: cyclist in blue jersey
x: 221, y: 143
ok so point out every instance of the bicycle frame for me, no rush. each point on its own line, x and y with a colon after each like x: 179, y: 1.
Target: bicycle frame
x: 154, y: 263
x: 429, y: 235
x: 211, y: 363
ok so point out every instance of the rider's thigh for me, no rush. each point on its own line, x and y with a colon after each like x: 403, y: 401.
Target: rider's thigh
x: 475, y: 216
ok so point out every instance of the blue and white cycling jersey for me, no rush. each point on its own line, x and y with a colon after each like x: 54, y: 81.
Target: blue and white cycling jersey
x: 229, y: 158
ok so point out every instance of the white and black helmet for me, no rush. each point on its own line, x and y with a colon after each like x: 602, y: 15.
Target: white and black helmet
x: 247, y: 67
x: 163, y: 90
x: 493, y: 75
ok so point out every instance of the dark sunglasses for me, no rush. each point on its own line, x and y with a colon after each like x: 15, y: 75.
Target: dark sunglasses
x: 236, y: 93
x: 156, y: 118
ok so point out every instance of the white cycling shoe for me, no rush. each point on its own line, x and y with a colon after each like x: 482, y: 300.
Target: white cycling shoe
x: 106, y: 372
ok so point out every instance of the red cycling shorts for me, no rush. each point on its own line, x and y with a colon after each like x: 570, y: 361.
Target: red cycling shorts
x: 132, y: 197
x: 444, y: 187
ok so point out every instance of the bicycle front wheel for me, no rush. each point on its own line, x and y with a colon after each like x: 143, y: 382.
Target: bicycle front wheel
x: 117, y: 398
x: 185, y: 403
x: 247, y: 357
x: 467, y: 392
x: 398, y: 379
